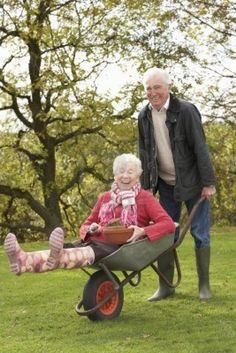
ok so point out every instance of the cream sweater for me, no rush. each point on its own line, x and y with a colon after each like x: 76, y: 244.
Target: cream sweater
x: 164, y: 153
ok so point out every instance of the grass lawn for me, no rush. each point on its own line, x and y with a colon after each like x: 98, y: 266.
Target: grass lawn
x: 37, y: 310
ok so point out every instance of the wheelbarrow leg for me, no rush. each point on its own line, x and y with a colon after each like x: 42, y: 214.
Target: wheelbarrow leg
x: 166, y: 265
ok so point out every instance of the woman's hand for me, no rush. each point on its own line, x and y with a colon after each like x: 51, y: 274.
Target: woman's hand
x: 137, y: 234
x: 94, y: 228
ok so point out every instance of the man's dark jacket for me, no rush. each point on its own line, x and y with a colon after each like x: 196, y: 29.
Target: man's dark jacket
x: 193, y: 166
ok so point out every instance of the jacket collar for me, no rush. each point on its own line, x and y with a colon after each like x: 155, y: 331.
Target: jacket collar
x: 174, y: 105
x: 174, y: 108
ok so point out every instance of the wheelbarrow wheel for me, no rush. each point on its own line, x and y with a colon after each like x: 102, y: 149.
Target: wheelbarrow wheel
x: 96, y: 289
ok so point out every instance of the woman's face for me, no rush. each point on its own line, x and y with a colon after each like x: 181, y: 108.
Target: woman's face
x: 127, y: 176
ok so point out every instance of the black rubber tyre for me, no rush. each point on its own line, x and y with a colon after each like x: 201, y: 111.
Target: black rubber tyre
x: 98, y: 286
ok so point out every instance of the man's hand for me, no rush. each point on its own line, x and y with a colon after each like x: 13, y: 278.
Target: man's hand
x: 208, y: 192
x: 137, y: 234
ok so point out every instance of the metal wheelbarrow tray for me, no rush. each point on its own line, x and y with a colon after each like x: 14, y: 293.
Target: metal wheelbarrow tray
x: 103, y: 293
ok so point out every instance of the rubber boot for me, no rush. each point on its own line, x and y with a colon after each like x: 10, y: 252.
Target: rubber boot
x: 21, y: 261
x: 166, y: 266
x: 203, y: 264
x: 60, y: 257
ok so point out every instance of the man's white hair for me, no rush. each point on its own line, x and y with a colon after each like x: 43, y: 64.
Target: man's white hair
x: 125, y: 158
x: 153, y: 72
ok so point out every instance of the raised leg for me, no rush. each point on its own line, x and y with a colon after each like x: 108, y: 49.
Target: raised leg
x: 21, y: 261
x: 67, y: 258
x: 76, y: 257
x: 46, y: 260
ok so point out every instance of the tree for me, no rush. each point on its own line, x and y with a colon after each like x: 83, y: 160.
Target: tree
x: 55, y: 105
x: 224, y: 159
x: 211, y: 27
x: 60, y: 132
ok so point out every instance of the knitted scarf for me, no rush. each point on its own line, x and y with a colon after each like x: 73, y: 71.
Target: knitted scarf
x: 127, y: 200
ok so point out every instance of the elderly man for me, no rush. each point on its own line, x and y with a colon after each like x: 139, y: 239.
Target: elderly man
x: 176, y: 162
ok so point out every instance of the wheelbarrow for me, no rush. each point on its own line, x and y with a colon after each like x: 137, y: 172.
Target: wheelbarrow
x: 103, y: 294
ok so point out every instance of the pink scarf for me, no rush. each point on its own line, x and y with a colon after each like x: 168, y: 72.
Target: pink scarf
x: 127, y: 200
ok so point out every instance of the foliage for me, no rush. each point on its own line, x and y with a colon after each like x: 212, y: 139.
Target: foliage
x: 210, y: 27
x: 222, y: 143
x: 60, y: 130
x: 64, y: 130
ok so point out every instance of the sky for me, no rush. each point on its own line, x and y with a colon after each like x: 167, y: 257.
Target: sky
x: 105, y: 83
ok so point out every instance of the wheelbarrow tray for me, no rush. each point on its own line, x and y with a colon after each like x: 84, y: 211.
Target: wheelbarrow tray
x: 138, y: 255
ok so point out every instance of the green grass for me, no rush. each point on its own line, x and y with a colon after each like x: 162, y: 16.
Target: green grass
x: 37, y: 310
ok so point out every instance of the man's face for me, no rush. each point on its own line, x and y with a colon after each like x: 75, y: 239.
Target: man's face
x: 157, y: 91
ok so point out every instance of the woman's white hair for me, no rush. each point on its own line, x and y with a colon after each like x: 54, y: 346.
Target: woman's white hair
x: 125, y: 158
x: 154, y: 72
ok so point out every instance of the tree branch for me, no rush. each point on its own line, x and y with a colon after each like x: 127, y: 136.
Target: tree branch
x: 80, y: 131
x: 231, y: 34
x: 26, y: 195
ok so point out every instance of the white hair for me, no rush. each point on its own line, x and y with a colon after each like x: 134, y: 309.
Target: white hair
x: 154, y: 72
x: 125, y: 158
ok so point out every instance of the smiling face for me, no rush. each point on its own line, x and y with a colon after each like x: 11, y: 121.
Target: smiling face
x: 157, y: 91
x: 127, y: 176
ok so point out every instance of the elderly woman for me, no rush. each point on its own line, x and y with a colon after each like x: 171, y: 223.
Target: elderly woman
x: 135, y: 208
